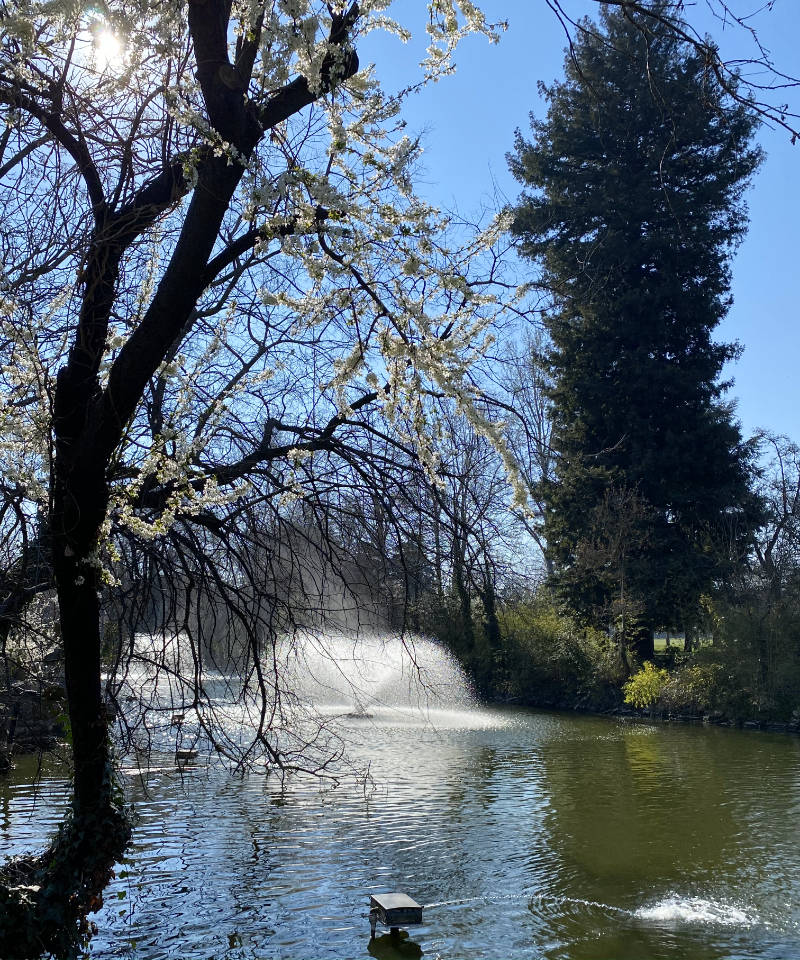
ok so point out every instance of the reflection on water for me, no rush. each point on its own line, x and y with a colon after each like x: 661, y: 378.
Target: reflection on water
x: 525, y: 835
x: 394, y: 946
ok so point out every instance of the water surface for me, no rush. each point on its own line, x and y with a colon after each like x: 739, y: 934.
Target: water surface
x: 524, y: 834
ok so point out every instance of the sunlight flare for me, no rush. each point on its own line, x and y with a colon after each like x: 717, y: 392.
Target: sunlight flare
x: 109, y: 49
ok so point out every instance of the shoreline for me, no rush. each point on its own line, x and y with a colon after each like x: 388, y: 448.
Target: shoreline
x: 704, y: 719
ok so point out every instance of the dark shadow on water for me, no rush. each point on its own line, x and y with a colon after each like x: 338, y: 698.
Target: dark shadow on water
x: 394, y: 947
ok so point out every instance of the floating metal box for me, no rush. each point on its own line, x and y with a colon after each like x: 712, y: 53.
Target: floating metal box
x: 394, y: 910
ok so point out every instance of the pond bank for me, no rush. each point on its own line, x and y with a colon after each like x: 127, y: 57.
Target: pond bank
x: 710, y: 718
x: 32, y: 719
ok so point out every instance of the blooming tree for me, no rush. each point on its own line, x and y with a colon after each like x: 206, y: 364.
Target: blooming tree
x: 222, y: 303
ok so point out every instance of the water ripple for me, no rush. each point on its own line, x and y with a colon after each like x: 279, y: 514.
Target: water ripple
x: 538, y: 837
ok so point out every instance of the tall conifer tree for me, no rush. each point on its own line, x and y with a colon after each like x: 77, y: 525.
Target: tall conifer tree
x: 633, y: 204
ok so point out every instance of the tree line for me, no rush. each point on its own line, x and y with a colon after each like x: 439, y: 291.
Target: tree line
x: 653, y: 514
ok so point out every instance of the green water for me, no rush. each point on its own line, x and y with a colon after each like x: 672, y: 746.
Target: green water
x: 525, y: 835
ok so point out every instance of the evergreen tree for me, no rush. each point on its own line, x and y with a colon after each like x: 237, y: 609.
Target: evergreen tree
x: 633, y: 204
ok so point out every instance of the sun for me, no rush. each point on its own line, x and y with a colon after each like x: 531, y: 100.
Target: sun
x: 108, y: 49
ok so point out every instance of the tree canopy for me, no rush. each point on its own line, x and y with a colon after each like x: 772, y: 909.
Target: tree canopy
x: 633, y: 205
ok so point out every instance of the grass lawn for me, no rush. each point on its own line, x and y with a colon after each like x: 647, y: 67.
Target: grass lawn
x: 660, y: 641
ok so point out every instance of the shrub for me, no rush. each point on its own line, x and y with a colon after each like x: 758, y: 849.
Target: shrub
x: 645, y: 687
x: 694, y: 687
x: 551, y: 660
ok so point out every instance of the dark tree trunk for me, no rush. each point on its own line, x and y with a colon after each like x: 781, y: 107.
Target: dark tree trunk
x: 70, y: 875
x: 79, y: 503
x: 80, y: 631
x: 467, y: 639
x: 490, y: 621
x: 489, y: 669
x: 689, y: 634
x: 642, y: 643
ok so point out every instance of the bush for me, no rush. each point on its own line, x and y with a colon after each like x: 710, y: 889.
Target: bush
x: 693, y: 688
x: 645, y: 687
x: 550, y: 660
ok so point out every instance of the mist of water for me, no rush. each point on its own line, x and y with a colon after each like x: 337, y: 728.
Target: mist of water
x: 366, y: 675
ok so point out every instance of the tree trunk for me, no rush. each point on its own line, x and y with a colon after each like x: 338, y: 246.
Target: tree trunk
x: 461, y: 589
x: 437, y: 555
x: 490, y: 667
x: 491, y: 623
x: 69, y: 877
x: 642, y: 642
x: 80, y: 631
x: 465, y: 609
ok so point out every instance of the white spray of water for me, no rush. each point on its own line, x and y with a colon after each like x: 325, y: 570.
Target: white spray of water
x: 695, y: 910
x: 360, y: 674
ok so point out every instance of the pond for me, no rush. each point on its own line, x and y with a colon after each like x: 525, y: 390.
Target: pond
x: 524, y: 835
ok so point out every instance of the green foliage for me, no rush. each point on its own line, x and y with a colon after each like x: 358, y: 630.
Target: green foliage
x: 751, y: 671
x: 633, y: 204
x: 645, y: 687
x: 693, y: 689
x: 758, y: 643
x: 65, y: 726
x: 550, y: 660
x: 462, y: 631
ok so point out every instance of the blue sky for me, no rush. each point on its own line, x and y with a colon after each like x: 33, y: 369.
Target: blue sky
x: 468, y: 123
